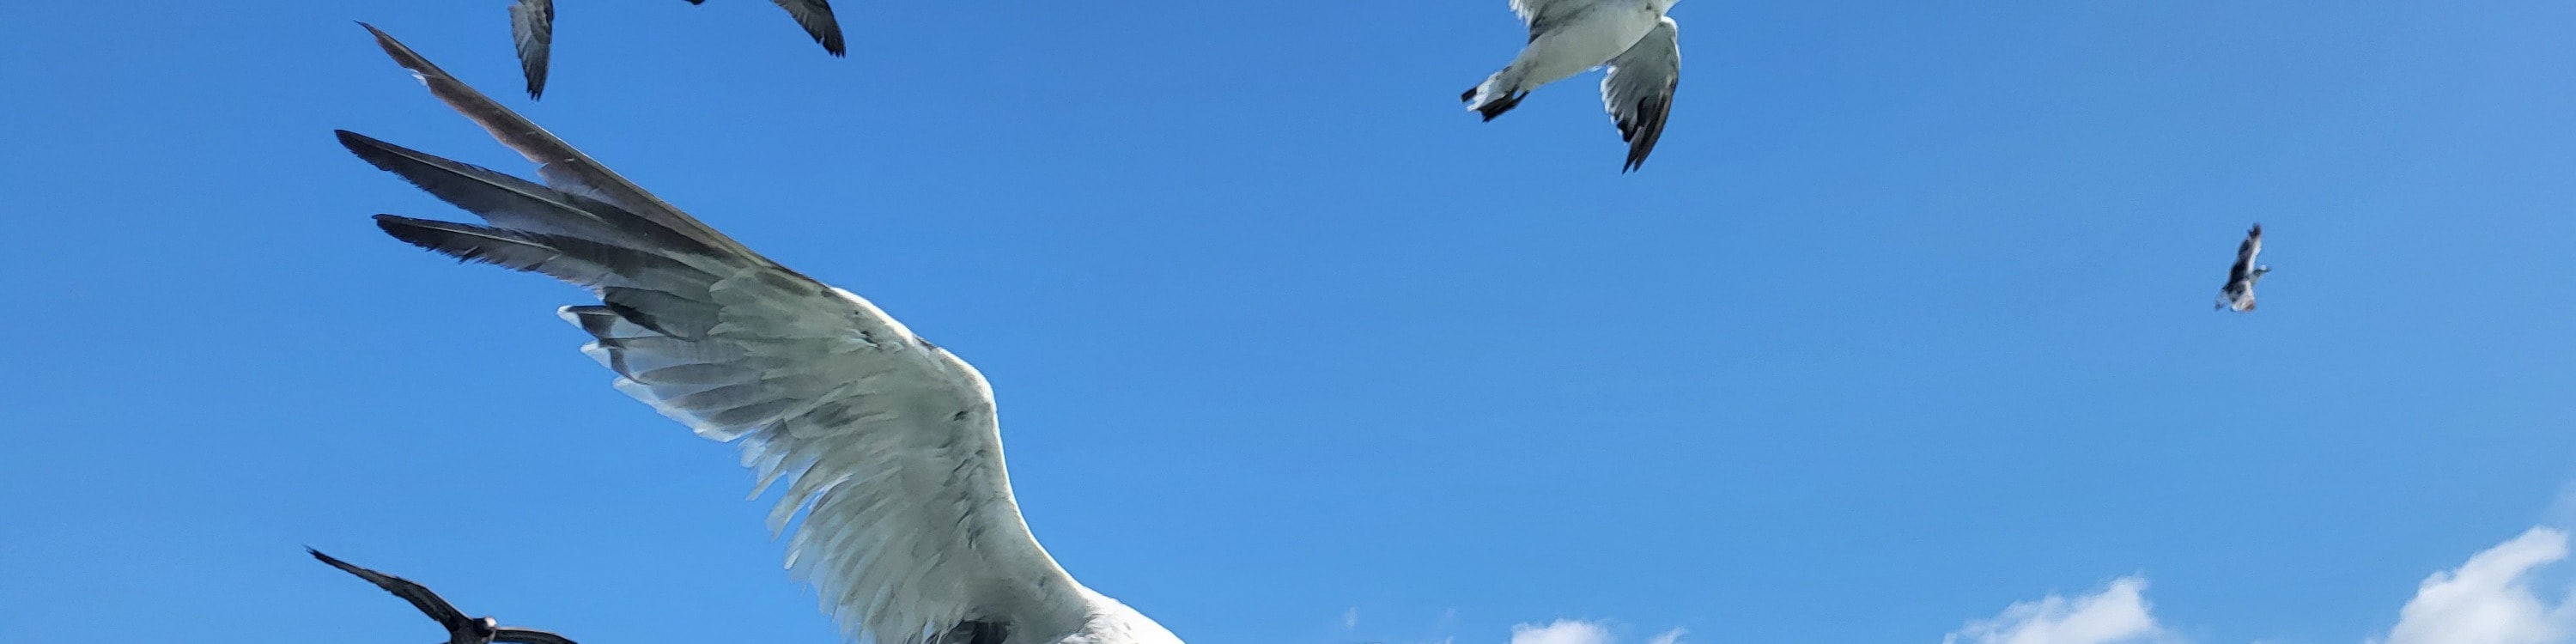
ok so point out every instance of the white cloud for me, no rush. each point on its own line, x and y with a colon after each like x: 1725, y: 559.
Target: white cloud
x: 1564, y: 631
x: 1351, y: 618
x: 2489, y: 600
x: 2117, y: 614
x: 1575, y: 631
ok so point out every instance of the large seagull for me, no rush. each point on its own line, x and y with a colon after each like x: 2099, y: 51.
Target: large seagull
x: 887, y: 442
x: 1641, y: 45
x: 532, y: 26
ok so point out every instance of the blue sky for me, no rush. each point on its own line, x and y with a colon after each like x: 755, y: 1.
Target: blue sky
x: 1902, y: 332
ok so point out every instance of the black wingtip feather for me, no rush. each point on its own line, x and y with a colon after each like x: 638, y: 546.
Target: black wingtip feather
x: 335, y: 562
x: 1642, y: 131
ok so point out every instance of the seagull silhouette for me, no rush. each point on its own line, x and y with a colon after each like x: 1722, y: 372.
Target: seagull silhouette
x: 460, y: 629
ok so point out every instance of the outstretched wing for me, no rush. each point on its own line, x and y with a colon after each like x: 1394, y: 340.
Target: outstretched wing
x: 429, y: 603
x: 816, y: 17
x: 532, y: 26
x: 1639, y: 90
x: 888, y: 445
x: 2245, y: 254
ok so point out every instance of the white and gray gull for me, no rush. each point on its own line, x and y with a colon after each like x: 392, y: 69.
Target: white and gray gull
x: 2238, y: 294
x: 887, y: 443
x: 1641, y: 45
x: 532, y: 26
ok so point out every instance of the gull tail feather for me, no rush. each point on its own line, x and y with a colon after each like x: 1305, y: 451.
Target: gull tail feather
x: 1498, y: 94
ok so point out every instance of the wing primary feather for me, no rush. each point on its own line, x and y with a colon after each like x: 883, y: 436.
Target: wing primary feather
x: 512, y: 202
x: 558, y: 161
x: 571, y: 259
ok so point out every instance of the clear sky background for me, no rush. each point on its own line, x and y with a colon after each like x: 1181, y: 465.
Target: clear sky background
x: 1907, y: 321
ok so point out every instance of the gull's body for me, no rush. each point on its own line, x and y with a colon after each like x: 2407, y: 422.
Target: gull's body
x: 1567, y: 37
x: 2238, y: 294
x: 460, y: 629
x: 532, y: 26
x: 888, y: 444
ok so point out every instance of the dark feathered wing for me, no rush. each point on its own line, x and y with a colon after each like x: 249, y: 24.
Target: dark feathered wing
x: 2245, y: 255
x: 429, y: 603
x: 528, y: 636
x: 816, y: 17
x: 532, y: 26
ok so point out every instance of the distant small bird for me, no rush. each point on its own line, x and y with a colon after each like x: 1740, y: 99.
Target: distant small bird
x: 532, y: 26
x: 1566, y: 37
x: 460, y: 629
x: 2238, y: 295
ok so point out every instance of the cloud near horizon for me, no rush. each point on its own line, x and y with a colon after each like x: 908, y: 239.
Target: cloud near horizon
x: 2489, y: 599
x: 2486, y: 600
x: 1575, y: 631
x: 2118, y: 614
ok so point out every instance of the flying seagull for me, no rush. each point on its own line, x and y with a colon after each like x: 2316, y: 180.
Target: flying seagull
x: 2238, y: 295
x: 532, y: 26
x: 460, y: 629
x: 887, y: 443
x: 1566, y: 37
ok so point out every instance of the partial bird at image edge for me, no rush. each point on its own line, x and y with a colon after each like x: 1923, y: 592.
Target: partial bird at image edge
x: 1639, y: 44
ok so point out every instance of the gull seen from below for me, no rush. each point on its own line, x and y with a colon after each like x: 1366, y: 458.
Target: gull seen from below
x: 2238, y: 295
x: 887, y: 443
x: 1641, y: 45
x: 460, y: 629
x: 532, y: 26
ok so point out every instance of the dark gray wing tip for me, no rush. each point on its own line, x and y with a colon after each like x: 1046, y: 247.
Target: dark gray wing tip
x: 528, y: 636
x: 819, y: 23
x: 1643, y: 127
x: 360, y: 144
x: 403, y: 54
